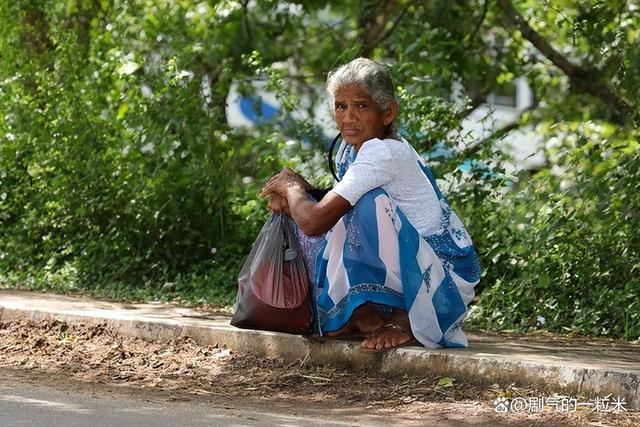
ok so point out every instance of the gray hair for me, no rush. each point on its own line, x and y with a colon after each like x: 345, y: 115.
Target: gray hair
x: 373, y: 77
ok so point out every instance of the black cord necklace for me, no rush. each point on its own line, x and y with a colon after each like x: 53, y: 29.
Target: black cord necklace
x: 330, y: 156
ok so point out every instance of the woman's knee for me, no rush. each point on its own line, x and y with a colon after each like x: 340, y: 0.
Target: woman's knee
x: 370, y: 200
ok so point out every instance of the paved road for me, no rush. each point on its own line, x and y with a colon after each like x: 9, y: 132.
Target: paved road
x: 29, y: 397
x: 25, y: 404
x: 33, y: 398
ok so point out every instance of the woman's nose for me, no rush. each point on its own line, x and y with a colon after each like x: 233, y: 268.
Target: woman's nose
x: 348, y: 115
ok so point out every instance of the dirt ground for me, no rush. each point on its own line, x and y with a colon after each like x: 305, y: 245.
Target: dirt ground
x: 88, y: 358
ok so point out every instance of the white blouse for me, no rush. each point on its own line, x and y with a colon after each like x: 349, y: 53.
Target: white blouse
x: 394, y: 166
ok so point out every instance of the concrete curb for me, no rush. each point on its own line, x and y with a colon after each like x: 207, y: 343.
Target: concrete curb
x: 467, y: 365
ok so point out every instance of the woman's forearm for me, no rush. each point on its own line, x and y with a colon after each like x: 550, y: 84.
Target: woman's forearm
x: 312, y: 218
x: 302, y: 211
x: 315, y: 218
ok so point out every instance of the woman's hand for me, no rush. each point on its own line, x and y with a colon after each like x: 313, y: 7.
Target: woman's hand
x: 282, y: 181
x: 278, y: 204
x: 312, y: 218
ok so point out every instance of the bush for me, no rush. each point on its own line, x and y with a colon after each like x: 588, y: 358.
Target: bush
x: 561, y: 252
x: 118, y: 174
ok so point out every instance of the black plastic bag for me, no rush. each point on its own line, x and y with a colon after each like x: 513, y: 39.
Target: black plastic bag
x: 273, y: 289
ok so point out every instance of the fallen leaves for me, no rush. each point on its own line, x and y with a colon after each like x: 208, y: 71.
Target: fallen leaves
x: 445, y: 382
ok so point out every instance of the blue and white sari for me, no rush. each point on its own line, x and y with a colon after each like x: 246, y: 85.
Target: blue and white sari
x: 373, y: 254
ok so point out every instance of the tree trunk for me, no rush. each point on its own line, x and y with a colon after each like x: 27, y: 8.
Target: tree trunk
x: 35, y: 33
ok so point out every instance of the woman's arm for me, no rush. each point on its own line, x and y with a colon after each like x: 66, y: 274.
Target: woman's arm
x: 315, y: 218
x: 312, y: 218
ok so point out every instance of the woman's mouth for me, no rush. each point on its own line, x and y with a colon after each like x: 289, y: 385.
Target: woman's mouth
x: 350, y: 132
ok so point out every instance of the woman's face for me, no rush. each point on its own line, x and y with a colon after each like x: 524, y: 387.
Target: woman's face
x: 358, y: 116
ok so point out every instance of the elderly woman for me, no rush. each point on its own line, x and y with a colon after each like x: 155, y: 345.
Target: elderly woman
x: 389, y: 261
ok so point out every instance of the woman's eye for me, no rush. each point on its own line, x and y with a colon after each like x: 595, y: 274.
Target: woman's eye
x: 340, y: 106
x: 362, y: 105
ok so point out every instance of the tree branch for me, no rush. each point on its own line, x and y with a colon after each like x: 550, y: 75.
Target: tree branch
x: 373, y: 22
x: 497, y: 135
x: 485, y: 8
x: 394, y: 25
x: 588, y: 80
x: 218, y: 100
x: 245, y: 21
x: 474, y: 102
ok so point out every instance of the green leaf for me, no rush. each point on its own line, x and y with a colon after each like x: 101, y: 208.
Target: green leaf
x: 122, y: 111
x: 34, y: 170
x: 446, y: 382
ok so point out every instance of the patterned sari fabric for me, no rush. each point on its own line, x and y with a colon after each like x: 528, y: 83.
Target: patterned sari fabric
x: 373, y: 254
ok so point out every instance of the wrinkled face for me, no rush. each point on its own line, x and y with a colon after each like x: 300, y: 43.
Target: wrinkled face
x: 358, y: 116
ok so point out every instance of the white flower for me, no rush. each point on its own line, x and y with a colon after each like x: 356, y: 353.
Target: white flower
x: 10, y: 136
x: 128, y: 67
x: 154, y: 59
x: 214, y: 251
x: 148, y: 148
x: 222, y: 10
x: 184, y: 74
x: 247, y: 180
x: 146, y: 91
x: 474, y: 311
x: 202, y: 8
x: 606, y: 154
x: 125, y: 150
x: 541, y: 321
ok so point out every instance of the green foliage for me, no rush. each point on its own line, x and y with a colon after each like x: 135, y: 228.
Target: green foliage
x: 116, y: 172
x: 562, y: 252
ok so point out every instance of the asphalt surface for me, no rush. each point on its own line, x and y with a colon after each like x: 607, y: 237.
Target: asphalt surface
x: 31, y: 398
x: 24, y: 404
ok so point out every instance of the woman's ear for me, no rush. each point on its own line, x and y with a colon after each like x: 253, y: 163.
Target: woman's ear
x: 391, y: 113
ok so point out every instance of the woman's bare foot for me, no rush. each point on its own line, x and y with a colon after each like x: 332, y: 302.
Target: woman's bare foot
x: 347, y: 331
x: 364, y: 320
x: 385, y: 338
x: 393, y: 334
